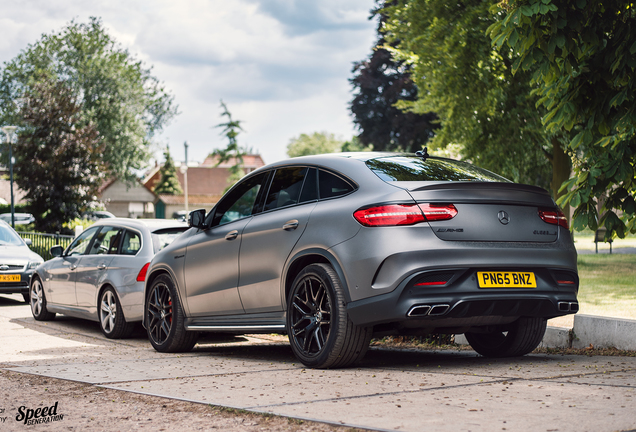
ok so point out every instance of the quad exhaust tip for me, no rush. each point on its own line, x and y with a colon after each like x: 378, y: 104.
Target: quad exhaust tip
x: 427, y: 310
x: 568, y: 306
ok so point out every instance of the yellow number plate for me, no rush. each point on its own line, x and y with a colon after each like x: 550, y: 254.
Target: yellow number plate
x: 10, y: 278
x: 506, y: 280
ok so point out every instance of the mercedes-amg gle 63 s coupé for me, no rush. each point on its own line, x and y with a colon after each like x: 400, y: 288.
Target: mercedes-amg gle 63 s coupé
x: 334, y: 249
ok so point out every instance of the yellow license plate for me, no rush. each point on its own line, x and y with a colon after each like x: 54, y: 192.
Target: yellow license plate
x: 506, y: 280
x: 10, y: 278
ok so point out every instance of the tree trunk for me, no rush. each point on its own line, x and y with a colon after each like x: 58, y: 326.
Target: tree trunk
x: 561, y: 169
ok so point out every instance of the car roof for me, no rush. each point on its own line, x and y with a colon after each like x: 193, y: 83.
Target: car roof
x: 151, y: 224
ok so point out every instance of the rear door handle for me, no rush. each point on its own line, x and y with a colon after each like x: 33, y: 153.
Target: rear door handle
x: 231, y: 235
x: 102, y: 266
x: 290, y: 225
x: 72, y: 266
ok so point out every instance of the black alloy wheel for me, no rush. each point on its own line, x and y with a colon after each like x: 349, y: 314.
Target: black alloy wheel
x: 320, y: 332
x: 38, y: 302
x: 165, y: 318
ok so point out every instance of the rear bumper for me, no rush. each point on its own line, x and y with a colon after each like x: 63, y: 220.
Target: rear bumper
x: 462, y: 304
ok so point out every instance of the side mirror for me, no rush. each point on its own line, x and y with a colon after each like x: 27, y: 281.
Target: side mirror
x: 196, y: 219
x: 56, y: 251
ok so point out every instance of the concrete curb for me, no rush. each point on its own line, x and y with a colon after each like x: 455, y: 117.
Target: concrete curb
x: 600, y: 332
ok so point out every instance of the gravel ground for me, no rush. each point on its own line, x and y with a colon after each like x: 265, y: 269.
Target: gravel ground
x: 82, y: 407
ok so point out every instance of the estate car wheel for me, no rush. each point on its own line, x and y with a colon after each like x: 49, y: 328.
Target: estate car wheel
x: 522, y: 337
x: 320, y: 332
x: 38, y: 302
x: 111, y: 317
x: 165, y: 318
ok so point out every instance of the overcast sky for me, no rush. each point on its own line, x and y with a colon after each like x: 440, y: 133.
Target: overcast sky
x: 281, y: 66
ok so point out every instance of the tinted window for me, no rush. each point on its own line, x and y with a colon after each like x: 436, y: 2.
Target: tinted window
x: 106, y: 242
x: 81, y: 242
x: 131, y: 243
x: 404, y: 168
x: 310, y: 187
x: 331, y: 185
x: 239, y: 202
x: 285, y: 188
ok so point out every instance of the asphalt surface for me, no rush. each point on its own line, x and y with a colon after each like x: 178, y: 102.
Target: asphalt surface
x: 405, y: 390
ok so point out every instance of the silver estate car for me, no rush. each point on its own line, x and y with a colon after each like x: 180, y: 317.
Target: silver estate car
x: 100, y: 276
x: 334, y: 249
x: 17, y: 262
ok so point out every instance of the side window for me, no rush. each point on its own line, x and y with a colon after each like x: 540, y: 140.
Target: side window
x: 331, y: 185
x: 285, y: 188
x: 240, y: 202
x: 106, y: 242
x: 81, y: 242
x: 310, y: 187
x: 131, y: 243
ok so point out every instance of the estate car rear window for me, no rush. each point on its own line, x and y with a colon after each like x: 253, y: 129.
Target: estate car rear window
x: 405, y: 168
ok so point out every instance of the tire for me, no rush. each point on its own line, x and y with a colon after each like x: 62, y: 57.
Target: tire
x: 111, y: 317
x: 37, y: 301
x: 165, y: 318
x: 320, y: 332
x: 523, y: 336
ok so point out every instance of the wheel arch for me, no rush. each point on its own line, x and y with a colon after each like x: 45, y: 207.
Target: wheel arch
x: 308, y: 257
x: 150, y: 278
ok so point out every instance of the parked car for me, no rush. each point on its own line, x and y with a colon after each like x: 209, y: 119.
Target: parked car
x: 97, y: 215
x: 333, y: 249
x: 18, y: 218
x: 100, y: 276
x: 17, y: 262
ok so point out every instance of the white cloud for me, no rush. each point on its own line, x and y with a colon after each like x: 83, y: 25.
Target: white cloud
x: 282, y: 66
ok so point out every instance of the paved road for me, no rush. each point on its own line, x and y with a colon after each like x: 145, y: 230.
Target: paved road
x: 391, y: 390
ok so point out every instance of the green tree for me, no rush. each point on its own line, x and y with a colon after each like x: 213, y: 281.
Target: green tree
x: 379, y: 83
x: 316, y: 143
x: 233, y: 152
x: 480, y: 103
x: 57, y: 165
x: 582, y: 53
x: 115, y: 91
x: 168, y: 184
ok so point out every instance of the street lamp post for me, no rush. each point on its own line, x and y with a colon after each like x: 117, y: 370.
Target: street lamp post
x: 9, y: 131
x: 184, y: 171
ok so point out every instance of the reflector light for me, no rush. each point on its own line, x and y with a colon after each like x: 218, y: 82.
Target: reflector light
x: 431, y: 283
x: 565, y: 282
x: 141, y: 277
x: 389, y: 215
x: 437, y: 212
x: 554, y: 217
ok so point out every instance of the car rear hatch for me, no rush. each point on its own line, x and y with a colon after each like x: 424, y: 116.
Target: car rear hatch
x: 489, y: 211
x: 465, y: 203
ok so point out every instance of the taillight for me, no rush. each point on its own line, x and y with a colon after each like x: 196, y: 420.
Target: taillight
x: 389, y: 215
x: 437, y: 212
x: 554, y: 217
x: 141, y: 277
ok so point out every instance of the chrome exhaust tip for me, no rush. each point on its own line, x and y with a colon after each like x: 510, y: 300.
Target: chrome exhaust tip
x: 438, y: 310
x: 420, y: 310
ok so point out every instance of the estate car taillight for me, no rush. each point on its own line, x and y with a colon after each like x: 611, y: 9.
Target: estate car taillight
x: 404, y: 214
x: 141, y: 277
x: 554, y: 217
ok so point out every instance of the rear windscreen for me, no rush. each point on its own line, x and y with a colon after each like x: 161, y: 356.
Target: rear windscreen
x: 162, y: 238
x: 405, y: 168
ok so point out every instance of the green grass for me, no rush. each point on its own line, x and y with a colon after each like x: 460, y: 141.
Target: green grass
x: 608, y: 285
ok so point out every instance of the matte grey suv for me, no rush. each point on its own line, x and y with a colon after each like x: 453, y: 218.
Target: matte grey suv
x: 334, y: 249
